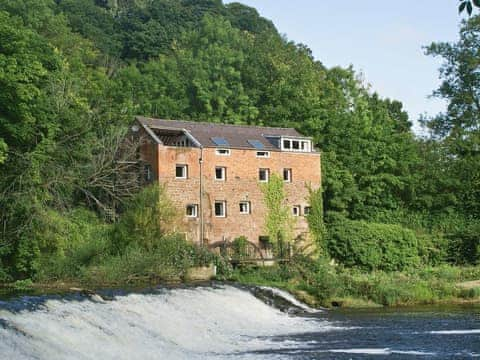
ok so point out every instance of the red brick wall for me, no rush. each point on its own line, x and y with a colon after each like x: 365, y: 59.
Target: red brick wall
x: 241, y: 185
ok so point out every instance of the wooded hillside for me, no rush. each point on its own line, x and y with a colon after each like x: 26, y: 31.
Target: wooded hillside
x: 73, y: 73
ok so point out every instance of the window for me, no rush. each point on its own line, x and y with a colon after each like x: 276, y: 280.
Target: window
x: 263, y: 175
x: 287, y: 175
x: 296, y: 210
x: 192, y: 210
x: 296, y: 145
x: 256, y: 144
x: 148, y: 173
x: 223, y: 152
x: 220, y: 173
x: 181, y: 171
x: 220, y: 209
x: 264, y: 154
x: 245, y: 207
x: 307, y: 210
x: 220, y: 141
x: 305, y: 146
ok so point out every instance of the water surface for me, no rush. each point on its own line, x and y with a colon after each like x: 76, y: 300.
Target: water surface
x: 225, y: 322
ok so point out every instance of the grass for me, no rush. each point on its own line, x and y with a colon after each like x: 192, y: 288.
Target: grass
x: 321, y: 284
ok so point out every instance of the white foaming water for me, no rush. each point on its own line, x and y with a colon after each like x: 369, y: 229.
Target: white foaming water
x: 291, y: 299
x: 192, y: 323
x: 456, y: 332
x: 385, y: 351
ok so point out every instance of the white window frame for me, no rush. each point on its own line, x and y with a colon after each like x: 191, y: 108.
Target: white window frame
x: 289, y: 171
x: 263, y: 154
x: 305, y: 211
x: 267, y: 173
x: 185, y: 171
x: 224, y: 207
x: 224, y: 173
x: 305, y: 145
x: 302, y: 145
x: 222, y: 152
x: 195, y: 210
x: 296, y: 210
x: 248, y: 207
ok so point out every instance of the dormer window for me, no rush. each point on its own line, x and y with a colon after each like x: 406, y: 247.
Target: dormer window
x: 297, y: 145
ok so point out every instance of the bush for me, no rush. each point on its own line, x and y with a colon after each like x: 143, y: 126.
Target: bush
x: 169, y: 259
x: 372, y: 246
x: 78, y: 246
x: 432, y: 248
x: 148, y: 217
x: 464, y: 245
x: 70, y: 242
x: 240, y: 248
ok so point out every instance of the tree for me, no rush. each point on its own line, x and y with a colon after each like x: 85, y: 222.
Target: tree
x: 468, y: 5
x: 210, y: 60
x: 458, y: 129
x: 3, y: 151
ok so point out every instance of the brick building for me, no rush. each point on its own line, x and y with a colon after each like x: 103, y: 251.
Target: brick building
x: 212, y: 172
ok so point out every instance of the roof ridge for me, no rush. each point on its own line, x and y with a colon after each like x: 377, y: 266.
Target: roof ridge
x: 221, y: 124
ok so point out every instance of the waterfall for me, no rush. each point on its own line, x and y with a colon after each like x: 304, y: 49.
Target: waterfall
x: 184, y: 323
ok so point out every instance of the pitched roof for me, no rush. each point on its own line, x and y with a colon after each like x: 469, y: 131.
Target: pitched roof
x: 236, y: 136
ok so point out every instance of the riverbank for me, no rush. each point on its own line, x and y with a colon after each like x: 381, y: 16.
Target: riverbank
x: 326, y: 285
x: 322, y: 285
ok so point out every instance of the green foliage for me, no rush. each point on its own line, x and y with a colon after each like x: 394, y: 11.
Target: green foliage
x: 372, y: 246
x: 22, y: 285
x: 79, y: 247
x: 73, y: 72
x: 327, y: 285
x: 278, y: 221
x: 464, y: 245
x: 315, y: 218
x: 169, y: 260
x: 240, y: 247
x: 456, y: 130
x: 468, y: 6
x: 148, y: 216
x: 3, y: 151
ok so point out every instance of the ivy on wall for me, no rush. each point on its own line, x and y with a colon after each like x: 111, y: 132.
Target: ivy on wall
x: 278, y: 222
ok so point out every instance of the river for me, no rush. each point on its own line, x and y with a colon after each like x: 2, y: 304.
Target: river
x: 225, y: 322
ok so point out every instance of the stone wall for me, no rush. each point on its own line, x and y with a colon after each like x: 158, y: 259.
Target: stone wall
x: 241, y: 184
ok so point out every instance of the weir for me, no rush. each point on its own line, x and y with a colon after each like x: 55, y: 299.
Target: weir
x: 188, y: 323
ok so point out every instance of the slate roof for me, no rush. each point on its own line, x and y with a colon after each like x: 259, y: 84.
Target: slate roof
x: 237, y: 136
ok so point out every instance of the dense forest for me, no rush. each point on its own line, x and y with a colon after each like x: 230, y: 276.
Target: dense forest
x: 73, y: 73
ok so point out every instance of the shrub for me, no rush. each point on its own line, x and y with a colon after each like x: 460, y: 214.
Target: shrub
x: 432, y: 248
x: 169, y: 259
x: 240, y: 247
x: 148, y: 216
x: 315, y: 218
x: 372, y: 246
x: 464, y: 245
x: 70, y: 242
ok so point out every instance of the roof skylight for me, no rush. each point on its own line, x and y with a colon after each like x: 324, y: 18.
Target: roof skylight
x: 220, y: 141
x: 256, y: 144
